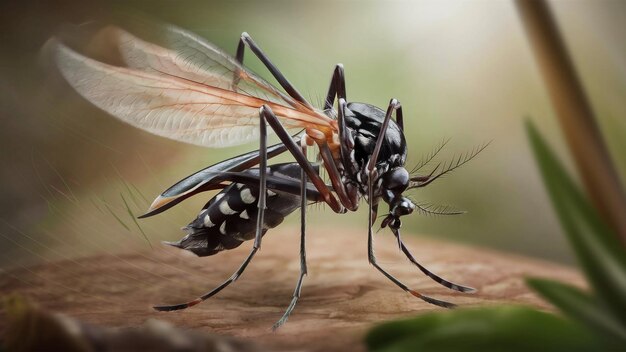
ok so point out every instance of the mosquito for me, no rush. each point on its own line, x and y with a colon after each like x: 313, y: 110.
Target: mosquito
x: 174, y: 84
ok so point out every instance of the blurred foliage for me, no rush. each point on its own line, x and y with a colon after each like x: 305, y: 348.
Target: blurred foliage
x: 600, y: 254
x: 597, y: 319
x: 484, y: 329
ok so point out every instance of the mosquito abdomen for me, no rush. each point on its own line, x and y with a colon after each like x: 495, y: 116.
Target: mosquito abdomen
x: 229, y: 218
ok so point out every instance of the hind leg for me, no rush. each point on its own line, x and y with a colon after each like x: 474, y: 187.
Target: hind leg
x: 303, y: 269
x: 259, y: 225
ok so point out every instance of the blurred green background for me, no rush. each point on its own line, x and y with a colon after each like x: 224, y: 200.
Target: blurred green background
x: 73, y: 178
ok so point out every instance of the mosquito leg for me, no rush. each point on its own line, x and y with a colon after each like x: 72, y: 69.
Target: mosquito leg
x: 346, y: 141
x: 335, y: 177
x: 337, y: 87
x: 303, y: 269
x: 297, y: 153
x: 393, y: 106
x: 435, y: 277
x: 372, y: 257
x: 347, y: 192
x: 259, y: 225
x: 399, y: 118
x: 282, y: 80
x: 371, y: 181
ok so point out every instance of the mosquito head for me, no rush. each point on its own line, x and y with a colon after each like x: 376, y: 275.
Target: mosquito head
x: 396, y: 181
x: 398, y: 207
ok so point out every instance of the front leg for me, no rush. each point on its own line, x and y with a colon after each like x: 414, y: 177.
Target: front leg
x: 430, y: 274
x: 337, y: 87
x: 372, y: 176
x: 246, y: 40
x: 346, y: 168
x: 372, y: 257
x: 394, y: 105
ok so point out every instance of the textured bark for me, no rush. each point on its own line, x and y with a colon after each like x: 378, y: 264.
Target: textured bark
x: 342, y: 297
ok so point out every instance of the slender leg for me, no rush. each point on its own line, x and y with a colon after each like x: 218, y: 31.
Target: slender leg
x: 303, y: 270
x: 347, y: 192
x: 346, y: 140
x: 435, y: 277
x: 282, y: 80
x: 393, y: 105
x: 339, y: 187
x: 372, y: 258
x: 372, y: 176
x: 337, y: 87
x: 399, y: 118
x: 259, y: 225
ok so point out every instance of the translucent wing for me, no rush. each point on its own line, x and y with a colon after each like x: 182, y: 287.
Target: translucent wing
x: 178, y: 86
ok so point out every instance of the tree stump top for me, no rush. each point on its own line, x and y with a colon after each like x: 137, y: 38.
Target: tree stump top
x: 341, y: 298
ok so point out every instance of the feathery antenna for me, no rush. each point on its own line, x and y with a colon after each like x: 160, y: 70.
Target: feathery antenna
x: 455, y: 163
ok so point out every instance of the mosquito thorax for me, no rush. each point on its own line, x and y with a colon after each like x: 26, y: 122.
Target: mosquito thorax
x: 365, y: 121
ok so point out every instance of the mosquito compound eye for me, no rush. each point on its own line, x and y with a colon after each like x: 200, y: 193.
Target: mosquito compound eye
x: 396, y: 180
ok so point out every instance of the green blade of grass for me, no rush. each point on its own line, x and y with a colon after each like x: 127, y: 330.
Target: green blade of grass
x: 504, y: 328
x: 581, y: 307
x: 116, y: 217
x: 134, y: 219
x: 600, y: 255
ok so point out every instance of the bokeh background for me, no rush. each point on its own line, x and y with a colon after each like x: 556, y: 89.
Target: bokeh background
x: 73, y: 179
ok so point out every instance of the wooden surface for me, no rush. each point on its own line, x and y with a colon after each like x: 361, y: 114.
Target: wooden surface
x: 342, y: 297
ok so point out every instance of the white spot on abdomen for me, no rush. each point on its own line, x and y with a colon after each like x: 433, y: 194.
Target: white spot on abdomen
x: 207, y: 221
x: 223, y: 228
x: 244, y: 215
x: 226, y: 209
x: 246, y: 196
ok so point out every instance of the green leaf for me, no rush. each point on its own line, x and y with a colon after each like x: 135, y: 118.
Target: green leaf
x: 600, y: 254
x: 581, y: 307
x: 505, y: 328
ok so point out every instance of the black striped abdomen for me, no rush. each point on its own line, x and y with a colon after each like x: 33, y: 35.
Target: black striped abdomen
x: 230, y: 217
